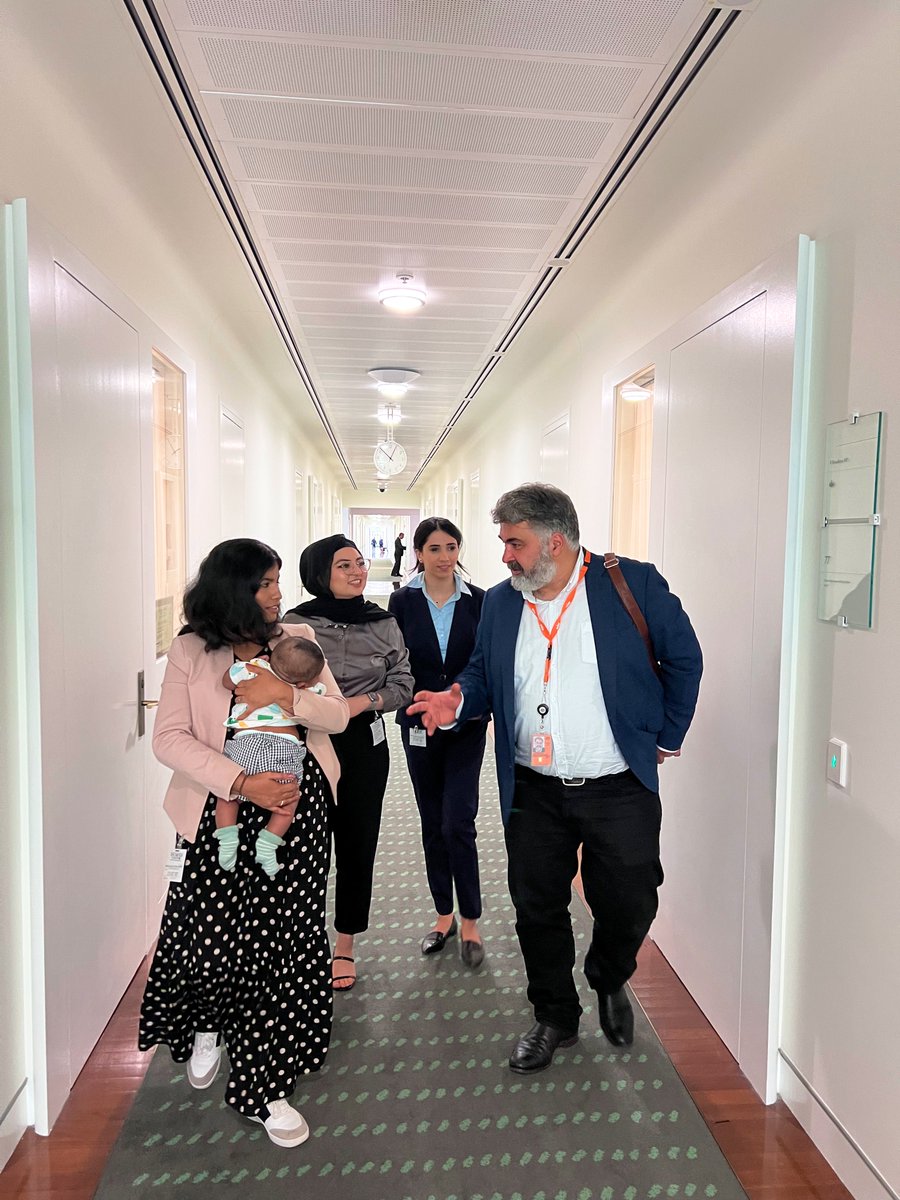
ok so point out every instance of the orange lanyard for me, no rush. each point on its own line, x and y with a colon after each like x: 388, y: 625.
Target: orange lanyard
x: 550, y: 634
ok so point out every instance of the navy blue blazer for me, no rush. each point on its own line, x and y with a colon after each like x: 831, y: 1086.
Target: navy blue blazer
x: 644, y: 711
x: 431, y: 674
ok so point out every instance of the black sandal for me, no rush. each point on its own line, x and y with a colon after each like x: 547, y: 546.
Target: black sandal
x: 337, y: 978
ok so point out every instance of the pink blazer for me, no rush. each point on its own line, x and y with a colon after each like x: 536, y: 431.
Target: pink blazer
x: 189, y: 733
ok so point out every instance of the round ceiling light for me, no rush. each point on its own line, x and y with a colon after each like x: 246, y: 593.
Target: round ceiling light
x: 393, y: 382
x: 401, y: 297
x: 633, y: 392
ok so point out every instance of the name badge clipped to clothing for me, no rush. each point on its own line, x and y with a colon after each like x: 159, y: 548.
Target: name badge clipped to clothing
x: 541, y: 750
x: 417, y: 736
x: 378, y: 732
x: 174, y: 868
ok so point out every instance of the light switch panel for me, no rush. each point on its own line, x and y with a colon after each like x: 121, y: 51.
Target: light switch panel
x: 836, y: 768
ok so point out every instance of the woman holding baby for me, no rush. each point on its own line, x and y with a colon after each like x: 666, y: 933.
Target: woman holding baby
x: 242, y: 961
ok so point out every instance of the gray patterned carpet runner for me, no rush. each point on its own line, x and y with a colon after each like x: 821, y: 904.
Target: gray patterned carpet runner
x: 416, y: 1101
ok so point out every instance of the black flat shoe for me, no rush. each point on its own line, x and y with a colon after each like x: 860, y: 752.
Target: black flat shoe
x: 616, y: 1017
x: 535, y: 1049
x: 472, y: 954
x: 434, y: 942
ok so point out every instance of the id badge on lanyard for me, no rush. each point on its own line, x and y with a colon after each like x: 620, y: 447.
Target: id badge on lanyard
x: 542, y: 739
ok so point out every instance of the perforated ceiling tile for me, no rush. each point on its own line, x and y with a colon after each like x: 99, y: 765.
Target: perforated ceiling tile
x: 436, y: 325
x: 417, y: 77
x: 617, y: 28
x: 395, y: 258
x: 357, y: 126
x: 431, y: 206
x: 345, y: 231
x: 359, y: 307
x: 412, y: 171
x: 328, y: 283
x: 318, y: 291
x: 498, y: 285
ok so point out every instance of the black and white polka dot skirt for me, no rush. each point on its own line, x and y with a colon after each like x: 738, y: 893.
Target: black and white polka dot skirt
x: 248, y: 956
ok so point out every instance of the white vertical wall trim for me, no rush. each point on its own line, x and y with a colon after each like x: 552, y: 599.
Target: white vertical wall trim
x: 788, y: 688
x: 28, y: 674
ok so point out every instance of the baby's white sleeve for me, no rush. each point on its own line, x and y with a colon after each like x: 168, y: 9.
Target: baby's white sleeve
x: 238, y: 672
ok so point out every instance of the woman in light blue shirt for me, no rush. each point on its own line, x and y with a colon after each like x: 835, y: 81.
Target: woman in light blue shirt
x: 438, y: 615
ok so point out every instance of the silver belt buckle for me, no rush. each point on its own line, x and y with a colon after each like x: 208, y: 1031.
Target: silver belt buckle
x: 575, y: 781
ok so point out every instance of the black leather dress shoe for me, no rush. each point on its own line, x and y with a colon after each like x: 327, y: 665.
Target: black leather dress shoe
x: 435, y: 941
x: 616, y: 1017
x: 535, y: 1049
x: 472, y: 954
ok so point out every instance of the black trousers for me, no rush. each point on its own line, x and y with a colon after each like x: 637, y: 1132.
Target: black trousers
x: 616, y: 821
x: 395, y: 569
x: 444, y: 775
x: 355, y: 819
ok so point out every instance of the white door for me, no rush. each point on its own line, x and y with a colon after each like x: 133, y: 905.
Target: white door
x: 715, y: 422
x: 727, y: 425
x: 91, y: 571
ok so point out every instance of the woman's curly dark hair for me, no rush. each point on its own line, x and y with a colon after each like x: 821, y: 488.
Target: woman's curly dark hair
x: 220, y: 603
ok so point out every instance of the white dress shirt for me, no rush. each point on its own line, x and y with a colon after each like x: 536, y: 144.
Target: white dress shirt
x: 583, y: 742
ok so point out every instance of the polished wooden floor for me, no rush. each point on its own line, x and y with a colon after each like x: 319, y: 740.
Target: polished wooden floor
x: 767, y: 1149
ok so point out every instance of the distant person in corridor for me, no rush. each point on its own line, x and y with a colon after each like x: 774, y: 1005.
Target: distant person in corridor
x: 399, y: 551
x: 582, y: 721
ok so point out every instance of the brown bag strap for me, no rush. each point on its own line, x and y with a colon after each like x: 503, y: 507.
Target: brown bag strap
x: 631, y: 606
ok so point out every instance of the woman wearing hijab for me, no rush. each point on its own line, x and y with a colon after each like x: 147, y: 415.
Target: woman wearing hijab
x: 365, y: 651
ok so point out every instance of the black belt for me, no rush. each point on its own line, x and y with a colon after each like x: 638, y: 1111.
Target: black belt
x: 567, y: 780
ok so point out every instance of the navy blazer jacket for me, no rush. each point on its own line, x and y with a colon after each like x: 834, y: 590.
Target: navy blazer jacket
x: 410, y: 607
x: 644, y: 711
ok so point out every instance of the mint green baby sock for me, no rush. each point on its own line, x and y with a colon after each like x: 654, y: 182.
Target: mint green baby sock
x: 266, y: 845
x: 228, y: 839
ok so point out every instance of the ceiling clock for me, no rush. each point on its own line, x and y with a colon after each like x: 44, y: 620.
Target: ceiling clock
x: 389, y: 457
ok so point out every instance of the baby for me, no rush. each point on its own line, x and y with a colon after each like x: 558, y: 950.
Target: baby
x: 267, y: 741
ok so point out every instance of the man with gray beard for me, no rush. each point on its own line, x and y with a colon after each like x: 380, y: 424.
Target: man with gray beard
x: 584, y: 714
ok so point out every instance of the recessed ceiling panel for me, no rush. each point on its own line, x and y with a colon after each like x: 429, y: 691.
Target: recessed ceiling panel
x: 417, y: 77
x: 412, y: 170
x: 421, y: 206
x: 359, y: 127
x: 596, y: 28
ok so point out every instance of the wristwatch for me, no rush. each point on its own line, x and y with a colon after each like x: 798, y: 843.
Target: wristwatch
x: 373, y: 698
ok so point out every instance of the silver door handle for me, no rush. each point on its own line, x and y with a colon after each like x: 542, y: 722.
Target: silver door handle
x: 142, y: 705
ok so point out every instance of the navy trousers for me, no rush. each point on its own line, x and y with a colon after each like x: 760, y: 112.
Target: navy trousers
x: 444, y: 776
x: 616, y: 821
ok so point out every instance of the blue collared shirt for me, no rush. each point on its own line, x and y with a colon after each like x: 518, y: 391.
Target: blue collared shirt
x: 442, y: 618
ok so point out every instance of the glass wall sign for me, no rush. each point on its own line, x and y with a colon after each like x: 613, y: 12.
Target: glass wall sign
x: 850, y: 521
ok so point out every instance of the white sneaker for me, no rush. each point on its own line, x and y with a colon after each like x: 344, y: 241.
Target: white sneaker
x: 205, y: 1059
x: 284, y: 1125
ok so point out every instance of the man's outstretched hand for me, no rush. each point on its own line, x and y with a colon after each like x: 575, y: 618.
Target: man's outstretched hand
x: 436, y: 708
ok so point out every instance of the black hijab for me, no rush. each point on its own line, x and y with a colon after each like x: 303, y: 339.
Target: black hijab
x: 315, y: 575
